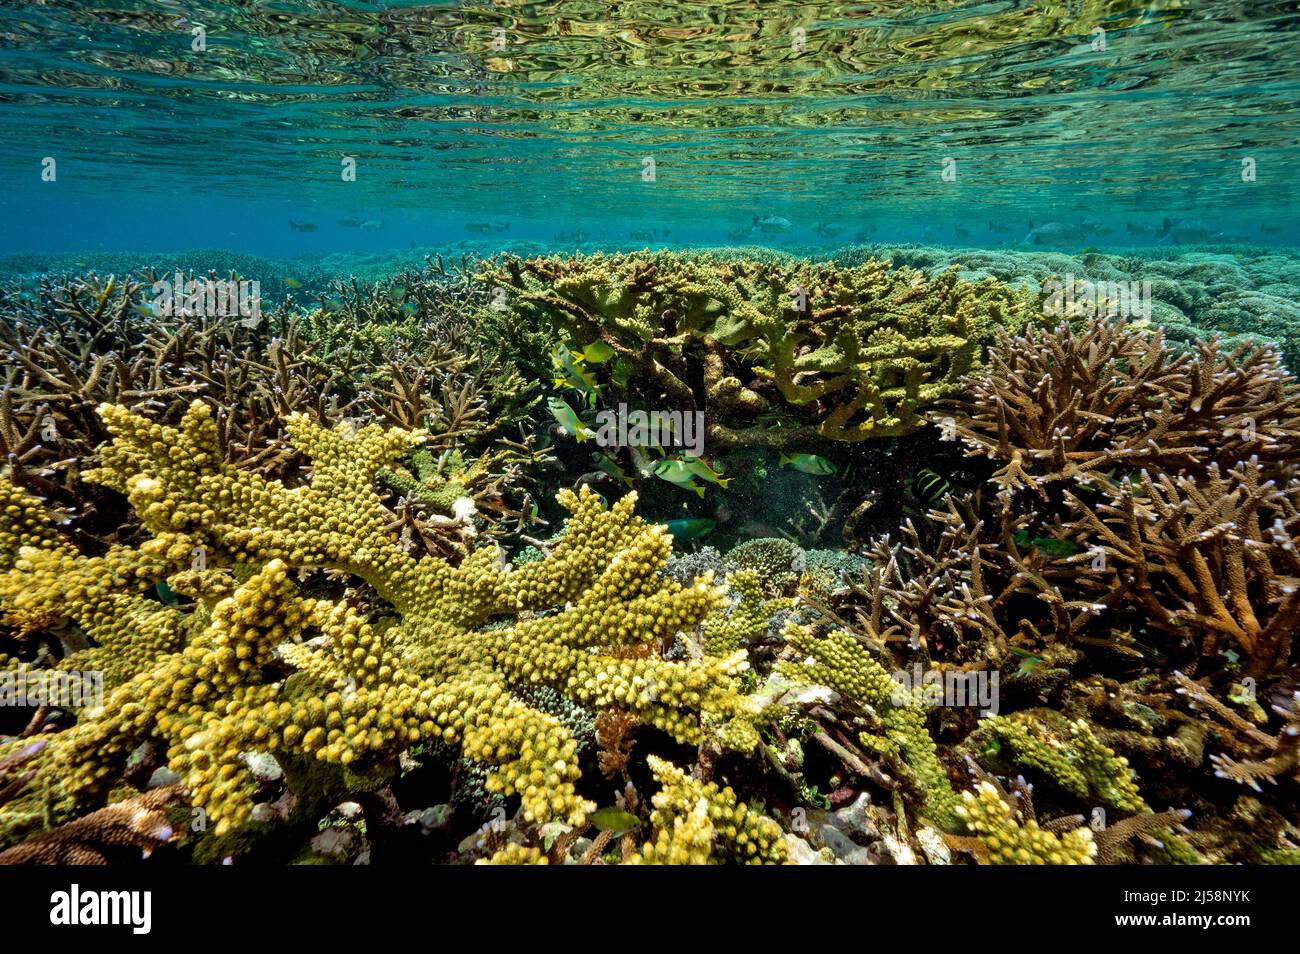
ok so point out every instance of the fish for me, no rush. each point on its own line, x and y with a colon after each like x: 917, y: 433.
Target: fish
x: 930, y: 488
x: 1143, y: 231
x: 739, y: 235
x: 609, y: 467
x: 576, y: 236
x: 166, y: 593
x: 614, y: 820
x: 687, y: 530
x: 293, y: 283
x: 302, y: 226
x: 569, y: 373
x: 995, y: 227
x: 373, y: 225
x: 808, y: 464
x: 568, y: 420
x: 597, y: 353
x: 702, y: 470
x: 1028, y: 660
x: 828, y: 231
x: 1270, y: 229
x: 1094, y: 226
x: 683, y: 471
x: 352, y: 222
x: 1052, y: 546
x: 1053, y: 233
x: 643, y: 235
x: 1183, y: 232
x: 772, y: 223
x: 486, y: 228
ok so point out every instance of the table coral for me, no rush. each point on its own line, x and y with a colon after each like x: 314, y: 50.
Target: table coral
x: 357, y: 694
x: 852, y: 353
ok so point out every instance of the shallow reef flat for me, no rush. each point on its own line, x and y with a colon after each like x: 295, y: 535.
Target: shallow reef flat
x: 516, y: 555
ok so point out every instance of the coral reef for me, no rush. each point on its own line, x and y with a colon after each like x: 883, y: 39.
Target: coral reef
x: 816, y: 350
x: 348, y: 602
x: 356, y: 694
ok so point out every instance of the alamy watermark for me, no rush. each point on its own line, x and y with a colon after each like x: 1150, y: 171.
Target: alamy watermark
x: 236, y: 298
x: 52, y: 687
x: 1079, y: 297
x: 948, y: 688
x: 624, y: 428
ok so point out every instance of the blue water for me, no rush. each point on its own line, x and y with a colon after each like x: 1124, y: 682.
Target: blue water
x: 535, y: 121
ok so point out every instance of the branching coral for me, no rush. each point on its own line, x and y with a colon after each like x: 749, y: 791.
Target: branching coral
x: 1212, y: 559
x: 140, y: 822
x: 841, y: 354
x: 1005, y: 840
x: 841, y: 663
x: 698, y: 823
x: 1065, y: 406
x: 356, y: 695
x: 725, y: 632
x: 1079, y: 763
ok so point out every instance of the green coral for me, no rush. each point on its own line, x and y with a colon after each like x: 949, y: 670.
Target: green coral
x: 840, y: 662
x: 854, y: 353
x: 728, y: 630
x: 1078, y: 762
x: 779, y: 563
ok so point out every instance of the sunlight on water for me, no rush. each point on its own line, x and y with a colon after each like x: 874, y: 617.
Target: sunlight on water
x: 838, y: 118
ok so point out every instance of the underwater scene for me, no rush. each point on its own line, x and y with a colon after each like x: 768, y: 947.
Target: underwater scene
x: 644, y: 432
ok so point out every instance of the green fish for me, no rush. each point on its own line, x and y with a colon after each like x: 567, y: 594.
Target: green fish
x: 293, y: 283
x: 166, y: 593
x: 597, y: 352
x: 1028, y: 661
x: 687, y: 530
x: 614, y: 820
x: 608, y: 465
x: 1049, y: 545
x: 929, y: 487
x: 569, y: 373
x: 808, y: 464
x: 568, y: 419
x: 682, y: 471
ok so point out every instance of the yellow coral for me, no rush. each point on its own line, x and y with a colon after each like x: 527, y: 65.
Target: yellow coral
x: 357, y: 697
x: 699, y: 823
x: 1007, y: 842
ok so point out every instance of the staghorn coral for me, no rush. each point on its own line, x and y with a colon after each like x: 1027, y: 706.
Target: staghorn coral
x: 1273, y: 757
x: 1057, y: 405
x: 404, y: 353
x: 356, y: 695
x: 817, y: 350
x: 139, y: 822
